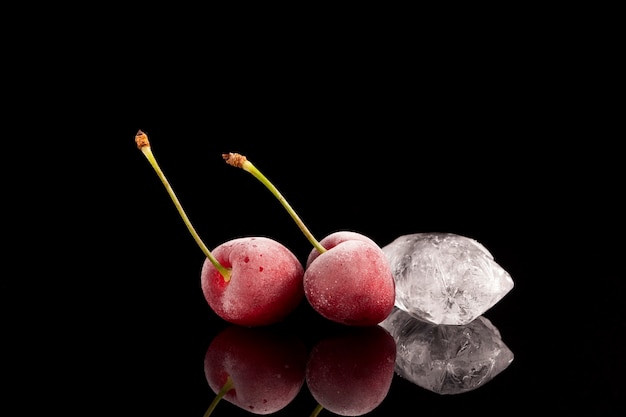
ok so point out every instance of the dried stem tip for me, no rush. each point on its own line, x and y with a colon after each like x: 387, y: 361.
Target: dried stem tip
x: 234, y: 159
x: 141, y: 139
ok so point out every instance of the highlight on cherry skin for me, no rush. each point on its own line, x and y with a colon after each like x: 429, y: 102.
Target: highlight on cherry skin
x: 249, y: 281
x: 347, y: 277
x: 260, y: 369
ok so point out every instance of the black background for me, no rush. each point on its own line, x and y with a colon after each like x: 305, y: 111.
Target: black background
x: 499, y: 136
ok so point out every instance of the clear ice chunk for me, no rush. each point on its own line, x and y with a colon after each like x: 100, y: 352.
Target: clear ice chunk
x: 447, y: 359
x: 444, y: 278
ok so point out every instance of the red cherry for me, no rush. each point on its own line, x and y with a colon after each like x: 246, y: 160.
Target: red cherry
x: 265, y: 284
x: 347, y: 278
x: 350, y: 374
x: 250, y: 281
x: 351, y: 282
x: 257, y: 369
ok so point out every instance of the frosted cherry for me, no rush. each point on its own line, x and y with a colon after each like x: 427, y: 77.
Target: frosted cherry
x: 249, y: 281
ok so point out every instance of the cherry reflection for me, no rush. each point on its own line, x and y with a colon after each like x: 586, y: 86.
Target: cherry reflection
x: 447, y: 359
x: 348, y: 370
x: 350, y: 373
x: 260, y: 370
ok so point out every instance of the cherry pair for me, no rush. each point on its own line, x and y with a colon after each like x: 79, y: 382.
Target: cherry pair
x: 257, y: 281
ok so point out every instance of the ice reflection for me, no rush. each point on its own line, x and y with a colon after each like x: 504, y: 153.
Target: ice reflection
x: 447, y: 359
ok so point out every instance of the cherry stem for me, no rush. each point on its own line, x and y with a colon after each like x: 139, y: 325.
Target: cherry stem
x: 242, y: 162
x: 228, y: 385
x: 317, y: 410
x: 141, y: 139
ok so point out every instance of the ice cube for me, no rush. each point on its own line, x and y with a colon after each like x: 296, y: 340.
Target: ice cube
x: 445, y: 278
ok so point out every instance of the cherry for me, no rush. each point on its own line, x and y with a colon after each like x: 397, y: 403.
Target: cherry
x: 349, y: 282
x: 260, y: 370
x: 249, y: 281
x: 347, y: 278
x: 268, y: 286
x: 350, y: 373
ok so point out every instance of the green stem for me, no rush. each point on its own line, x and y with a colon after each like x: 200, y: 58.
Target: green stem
x: 248, y: 166
x: 228, y: 385
x: 149, y: 155
x: 317, y: 410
